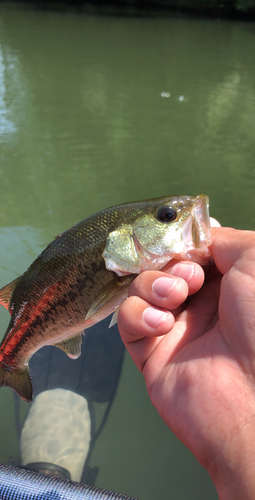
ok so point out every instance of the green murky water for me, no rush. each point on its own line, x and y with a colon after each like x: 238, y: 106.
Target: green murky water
x: 97, y: 110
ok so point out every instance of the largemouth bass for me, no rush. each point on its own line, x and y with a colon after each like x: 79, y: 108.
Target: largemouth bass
x: 85, y: 273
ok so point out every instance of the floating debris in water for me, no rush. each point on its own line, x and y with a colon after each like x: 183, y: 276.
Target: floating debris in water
x: 165, y: 94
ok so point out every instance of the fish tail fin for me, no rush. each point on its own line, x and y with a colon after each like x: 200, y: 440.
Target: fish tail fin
x: 7, y: 291
x: 18, y: 380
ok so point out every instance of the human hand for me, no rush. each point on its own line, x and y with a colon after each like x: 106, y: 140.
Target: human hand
x: 194, y: 342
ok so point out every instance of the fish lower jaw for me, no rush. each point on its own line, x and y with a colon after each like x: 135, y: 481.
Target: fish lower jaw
x: 145, y: 262
x: 201, y: 256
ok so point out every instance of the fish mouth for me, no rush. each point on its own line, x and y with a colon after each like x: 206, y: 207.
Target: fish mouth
x: 201, y: 228
x: 197, y: 230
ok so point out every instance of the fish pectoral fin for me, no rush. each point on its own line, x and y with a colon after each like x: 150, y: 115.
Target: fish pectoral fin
x: 109, y: 299
x: 71, y: 346
x: 19, y: 380
x: 7, y: 291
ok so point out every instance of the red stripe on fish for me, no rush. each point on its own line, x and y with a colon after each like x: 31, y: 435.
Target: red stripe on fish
x: 23, y: 320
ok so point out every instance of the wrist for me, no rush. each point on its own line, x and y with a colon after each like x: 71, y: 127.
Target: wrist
x: 233, y: 471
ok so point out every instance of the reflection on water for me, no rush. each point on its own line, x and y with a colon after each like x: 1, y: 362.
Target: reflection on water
x: 5, y: 125
x: 98, y: 110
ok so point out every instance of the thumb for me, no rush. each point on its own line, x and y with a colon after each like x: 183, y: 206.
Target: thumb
x: 230, y: 245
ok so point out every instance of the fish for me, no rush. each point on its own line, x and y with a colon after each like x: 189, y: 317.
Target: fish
x: 85, y: 273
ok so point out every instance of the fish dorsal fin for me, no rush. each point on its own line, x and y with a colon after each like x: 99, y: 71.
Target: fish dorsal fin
x: 109, y: 299
x: 7, y: 291
x: 71, y: 346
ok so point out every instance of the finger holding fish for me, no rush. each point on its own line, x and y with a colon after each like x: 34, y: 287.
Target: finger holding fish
x: 155, y: 299
x: 142, y: 327
x: 168, y: 289
x: 159, y: 296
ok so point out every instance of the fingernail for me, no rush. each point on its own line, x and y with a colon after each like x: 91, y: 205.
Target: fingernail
x: 214, y: 222
x: 183, y: 270
x: 163, y: 286
x: 153, y: 316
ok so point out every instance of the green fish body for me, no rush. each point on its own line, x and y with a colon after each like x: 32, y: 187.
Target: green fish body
x: 85, y: 273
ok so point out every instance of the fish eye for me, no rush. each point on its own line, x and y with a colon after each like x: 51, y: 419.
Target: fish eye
x: 167, y: 214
